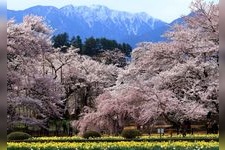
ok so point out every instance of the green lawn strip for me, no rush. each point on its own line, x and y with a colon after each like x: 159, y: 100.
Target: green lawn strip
x: 120, y: 140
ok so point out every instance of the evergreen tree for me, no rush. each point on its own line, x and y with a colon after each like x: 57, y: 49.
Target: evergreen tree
x: 61, y: 40
x: 90, y: 47
x: 126, y: 49
x: 77, y: 42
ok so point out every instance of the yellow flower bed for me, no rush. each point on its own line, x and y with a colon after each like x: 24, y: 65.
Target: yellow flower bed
x: 142, y: 137
x: 107, y: 145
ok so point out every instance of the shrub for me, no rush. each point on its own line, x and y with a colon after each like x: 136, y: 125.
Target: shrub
x: 130, y: 133
x: 92, y: 134
x: 18, y: 136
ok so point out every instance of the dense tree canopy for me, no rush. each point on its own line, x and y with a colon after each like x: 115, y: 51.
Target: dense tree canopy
x: 176, y: 79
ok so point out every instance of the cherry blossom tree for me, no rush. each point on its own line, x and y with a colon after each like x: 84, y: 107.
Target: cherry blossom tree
x: 88, y: 78
x: 115, y: 57
x: 198, y: 40
x: 33, y: 97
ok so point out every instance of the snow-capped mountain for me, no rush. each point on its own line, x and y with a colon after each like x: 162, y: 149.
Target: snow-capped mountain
x: 98, y: 21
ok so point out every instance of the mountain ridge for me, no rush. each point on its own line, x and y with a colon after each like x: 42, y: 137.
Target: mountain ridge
x: 98, y: 21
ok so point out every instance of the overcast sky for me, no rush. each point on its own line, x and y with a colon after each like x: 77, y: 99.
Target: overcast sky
x: 166, y: 10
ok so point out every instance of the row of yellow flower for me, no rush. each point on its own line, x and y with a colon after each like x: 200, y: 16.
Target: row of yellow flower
x: 119, y: 137
x: 107, y: 145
